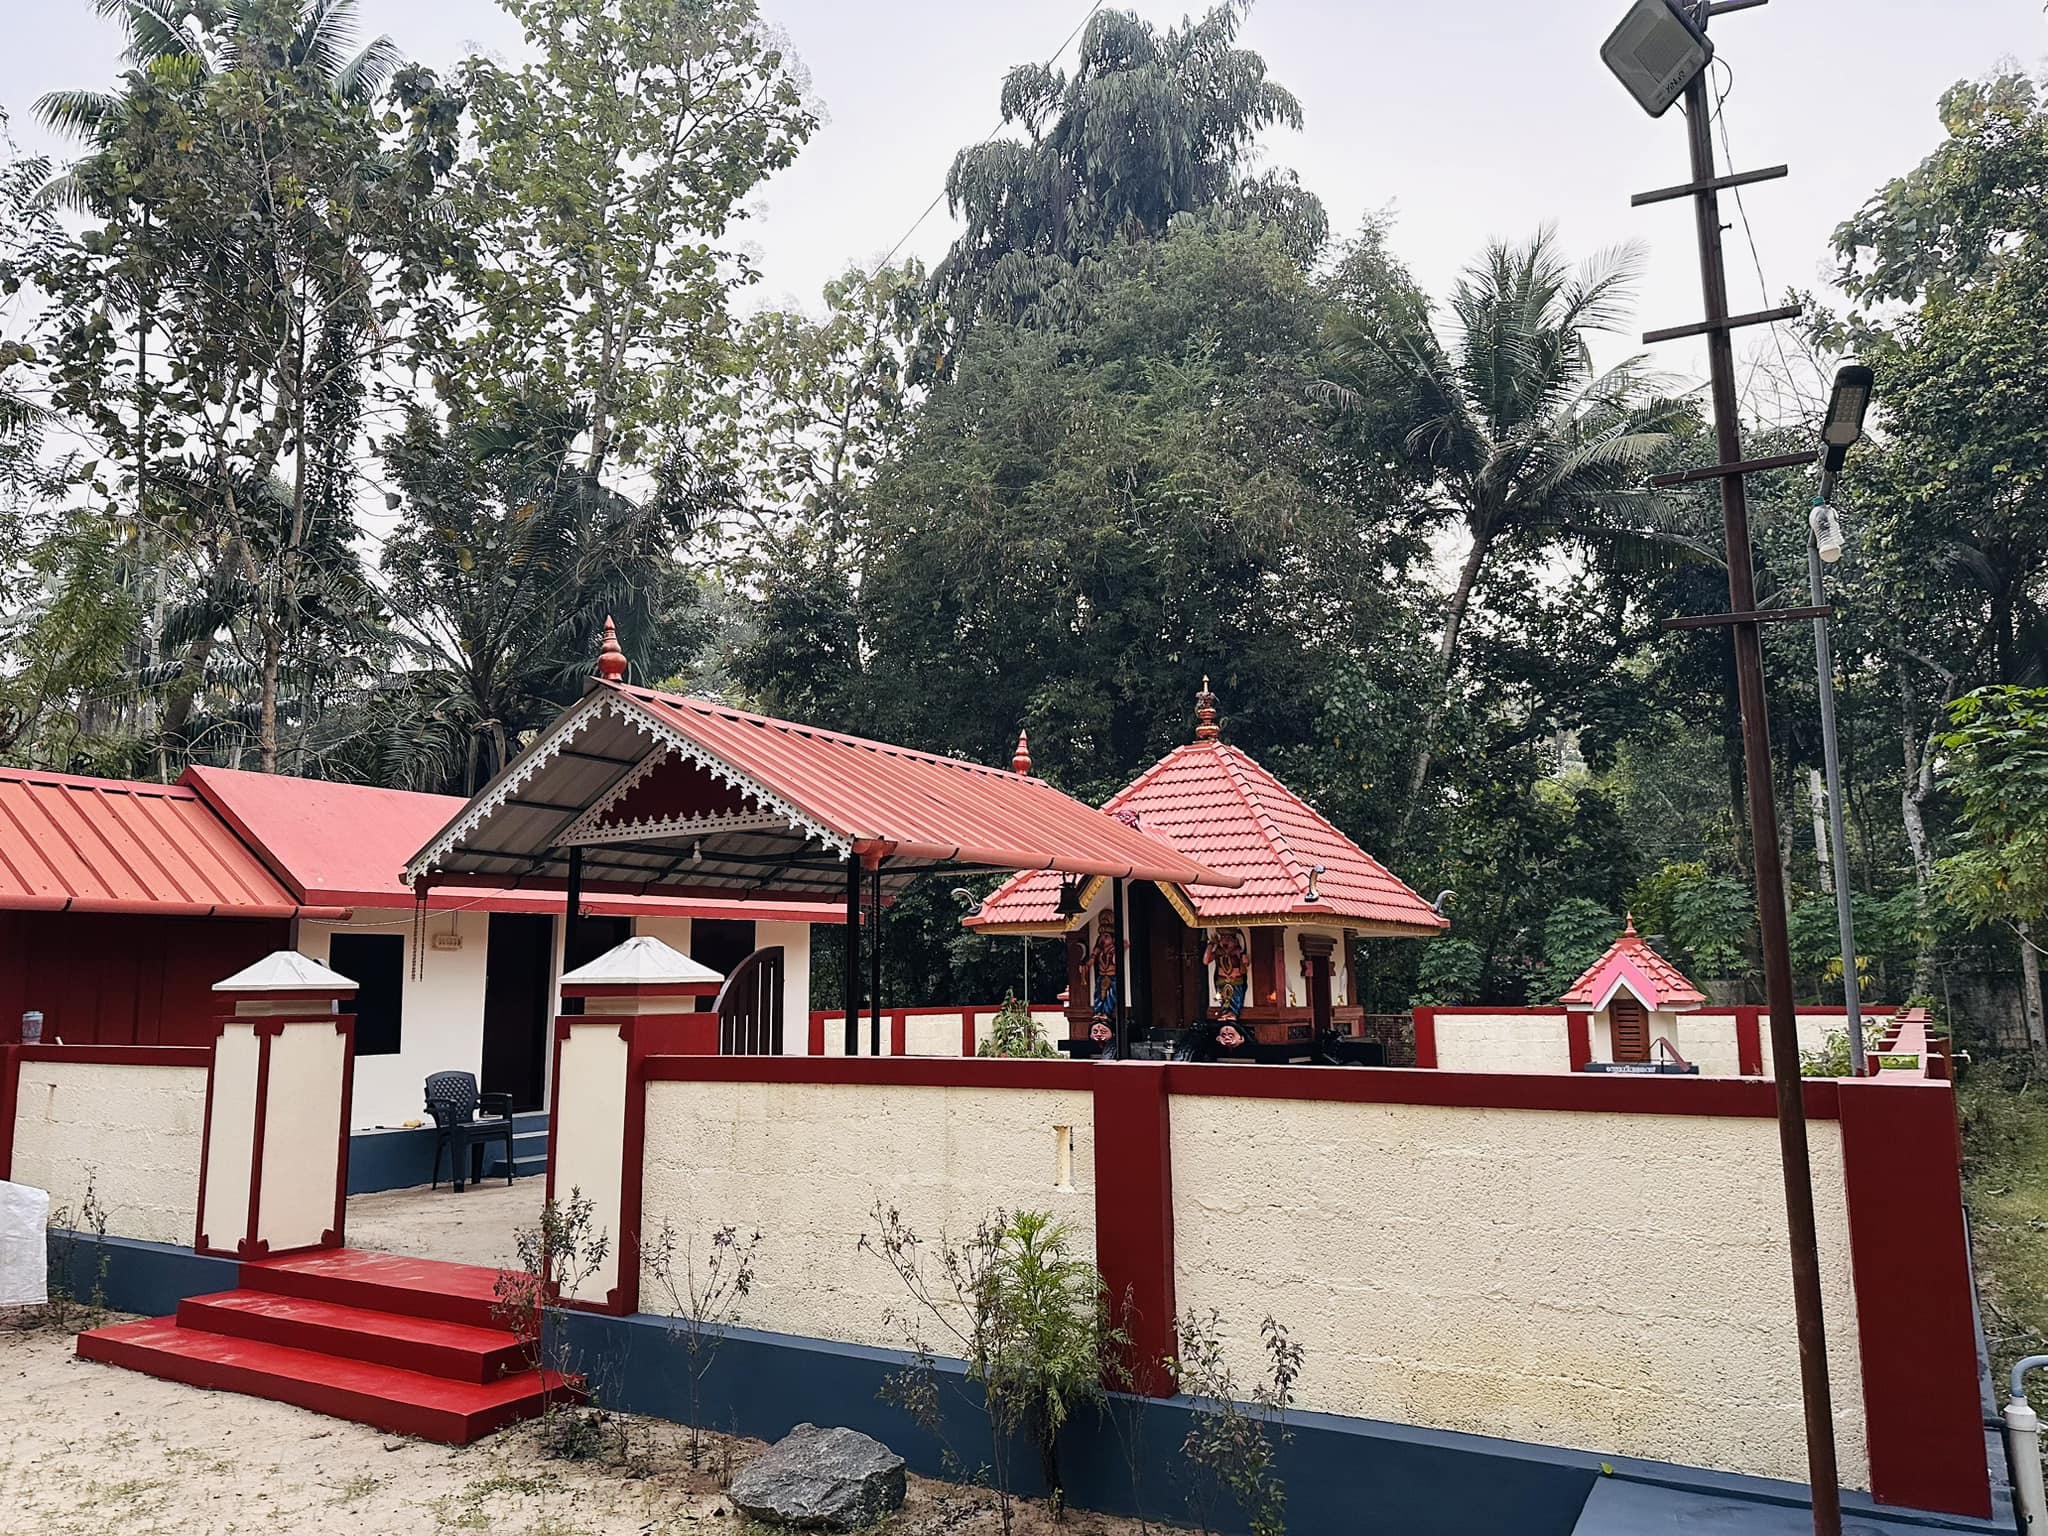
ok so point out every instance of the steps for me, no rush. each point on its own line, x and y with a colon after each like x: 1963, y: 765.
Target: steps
x: 529, y: 1148
x: 405, y: 1345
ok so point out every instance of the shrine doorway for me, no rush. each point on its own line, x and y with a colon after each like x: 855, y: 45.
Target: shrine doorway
x: 1175, y: 993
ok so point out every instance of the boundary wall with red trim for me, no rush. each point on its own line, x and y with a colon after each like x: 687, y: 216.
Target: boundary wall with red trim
x: 948, y: 1030
x: 1581, y: 1261
x: 1722, y: 1041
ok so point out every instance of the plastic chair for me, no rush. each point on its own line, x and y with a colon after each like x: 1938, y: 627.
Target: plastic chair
x: 453, y: 1102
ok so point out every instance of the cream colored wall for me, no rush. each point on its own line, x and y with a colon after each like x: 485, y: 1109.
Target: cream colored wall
x: 134, y: 1131
x: 301, y: 1151
x: 1050, y: 1018
x: 795, y: 939
x: 1708, y: 1040
x: 1813, y: 1034
x: 230, y: 1137
x: 1502, y: 1042
x: 588, y: 1154
x: 441, y: 1027
x: 930, y: 1034
x: 807, y: 1163
x: 1614, y: 1283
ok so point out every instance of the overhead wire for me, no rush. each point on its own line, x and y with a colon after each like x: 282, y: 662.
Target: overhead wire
x: 918, y: 222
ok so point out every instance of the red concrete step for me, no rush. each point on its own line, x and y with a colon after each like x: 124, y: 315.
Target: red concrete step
x: 458, y: 1351
x: 382, y: 1282
x: 399, y: 1402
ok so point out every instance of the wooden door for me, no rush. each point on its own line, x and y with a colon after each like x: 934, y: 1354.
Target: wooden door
x: 1631, y: 1028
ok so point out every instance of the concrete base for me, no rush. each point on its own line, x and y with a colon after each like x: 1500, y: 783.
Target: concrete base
x: 1620, y: 1508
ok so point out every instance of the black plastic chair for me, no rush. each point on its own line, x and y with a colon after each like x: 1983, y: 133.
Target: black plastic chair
x: 454, y: 1103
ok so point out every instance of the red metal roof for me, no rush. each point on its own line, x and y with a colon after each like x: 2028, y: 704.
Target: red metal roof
x: 1630, y: 962
x: 111, y: 845
x: 918, y: 805
x: 346, y: 845
x: 1215, y: 803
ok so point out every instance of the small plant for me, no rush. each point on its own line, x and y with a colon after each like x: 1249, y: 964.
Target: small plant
x: 1832, y: 1059
x: 1233, y: 1443
x: 69, y: 1229
x: 702, y: 1307
x: 1013, y: 1032
x: 558, y: 1257
x: 1029, y: 1319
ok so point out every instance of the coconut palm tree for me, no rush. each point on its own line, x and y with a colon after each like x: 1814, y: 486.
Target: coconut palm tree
x: 1521, y: 438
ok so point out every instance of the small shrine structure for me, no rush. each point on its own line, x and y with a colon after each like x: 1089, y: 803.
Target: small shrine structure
x: 1271, y: 955
x: 1633, y: 997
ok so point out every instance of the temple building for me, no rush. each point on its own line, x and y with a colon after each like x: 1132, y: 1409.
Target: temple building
x: 1634, y: 997
x: 1272, y: 955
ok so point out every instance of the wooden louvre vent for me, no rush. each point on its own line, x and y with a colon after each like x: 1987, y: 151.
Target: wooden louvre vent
x: 1631, y: 1028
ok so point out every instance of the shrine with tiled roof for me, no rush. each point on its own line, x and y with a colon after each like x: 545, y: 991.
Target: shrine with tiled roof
x: 1306, y: 890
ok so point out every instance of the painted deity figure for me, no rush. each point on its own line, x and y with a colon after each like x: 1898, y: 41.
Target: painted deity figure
x: 1225, y: 951
x: 1102, y: 968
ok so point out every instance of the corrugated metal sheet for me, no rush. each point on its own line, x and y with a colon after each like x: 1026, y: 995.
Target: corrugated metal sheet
x: 1215, y: 803
x: 111, y: 845
x: 919, y: 808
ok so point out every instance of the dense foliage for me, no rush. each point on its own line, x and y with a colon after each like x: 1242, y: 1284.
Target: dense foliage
x: 340, y: 402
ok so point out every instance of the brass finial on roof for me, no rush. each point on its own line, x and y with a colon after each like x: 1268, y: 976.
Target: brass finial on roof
x: 1021, y: 762
x: 611, y: 661
x: 1205, y: 713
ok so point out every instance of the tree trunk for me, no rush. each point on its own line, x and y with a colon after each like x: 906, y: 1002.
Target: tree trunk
x: 2030, y: 989
x: 1816, y: 797
x: 1446, y: 672
x: 1913, y: 794
x: 266, y: 730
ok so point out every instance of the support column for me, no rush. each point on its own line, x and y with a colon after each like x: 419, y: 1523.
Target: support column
x: 852, y: 969
x: 1134, y: 1215
x: 572, y: 916
x: 1121, y: 907
x: 875, y: 957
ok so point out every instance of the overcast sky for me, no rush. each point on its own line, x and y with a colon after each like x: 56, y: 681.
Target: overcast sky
x: 1470, y: 119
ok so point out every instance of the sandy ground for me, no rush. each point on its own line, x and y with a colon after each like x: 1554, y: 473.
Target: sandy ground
x: 93, y: 1450
x: 474, y: 1227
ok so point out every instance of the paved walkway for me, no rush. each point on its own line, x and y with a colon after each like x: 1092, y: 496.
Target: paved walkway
x: 474, y: 1227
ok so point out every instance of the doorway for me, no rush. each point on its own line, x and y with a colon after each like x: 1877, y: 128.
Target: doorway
x: 1176, y: 993
x: 518, y: 960
x: 589, y: 937
x: 722, y: 944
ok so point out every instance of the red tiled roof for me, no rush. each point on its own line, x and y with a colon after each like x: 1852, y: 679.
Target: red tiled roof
x: 918, y: 805
x: 346, y: 845
x: 112, y: 845
x: 1630, y: 962
x: 1215, y: 803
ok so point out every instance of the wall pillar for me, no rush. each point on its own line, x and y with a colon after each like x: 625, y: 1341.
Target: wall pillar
x: 1578, y: 1038
x: 1749, y: 1042
x: 1425, y: 1037
x: 10, y: 1092
x: 1134, y: 1216
x: 273, y: 1164
x: 1915, y: 1321
x: 633, y: 1000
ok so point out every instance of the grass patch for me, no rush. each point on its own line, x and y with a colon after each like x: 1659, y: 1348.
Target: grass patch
x: 2004, y: 1110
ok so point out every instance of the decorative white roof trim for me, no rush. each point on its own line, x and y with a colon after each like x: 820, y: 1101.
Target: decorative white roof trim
x: 566, y: 730
x: 631, y: 780
x: 656, y: 828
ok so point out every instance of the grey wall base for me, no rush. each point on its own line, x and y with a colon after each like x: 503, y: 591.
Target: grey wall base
x: 1341, y: 1474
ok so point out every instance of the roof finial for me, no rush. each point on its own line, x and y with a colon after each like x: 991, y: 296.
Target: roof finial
x: 1629, y: 931
x: 1205, y: 713
x: 611, y: 661
x: 1021, y: 763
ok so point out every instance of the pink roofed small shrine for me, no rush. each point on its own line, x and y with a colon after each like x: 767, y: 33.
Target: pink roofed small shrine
x: 1629, y: 962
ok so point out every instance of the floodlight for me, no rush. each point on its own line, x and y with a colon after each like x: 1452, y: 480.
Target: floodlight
x: 1656, y: 52
x: 1826, y: 524
x: 1843, y: 428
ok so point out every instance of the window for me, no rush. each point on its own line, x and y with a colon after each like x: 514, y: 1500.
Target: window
x: 1631, y: 1028
x: 375, y: 962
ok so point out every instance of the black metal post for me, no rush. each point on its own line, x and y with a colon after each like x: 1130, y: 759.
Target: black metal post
x: 875, y: 959
x: 852, y: 954
x: 1123, y: 969
x: 571, y: 923
x: 1822, y: 1474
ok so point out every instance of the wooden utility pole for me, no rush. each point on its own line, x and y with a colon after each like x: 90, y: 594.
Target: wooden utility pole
x: 1746, y: 623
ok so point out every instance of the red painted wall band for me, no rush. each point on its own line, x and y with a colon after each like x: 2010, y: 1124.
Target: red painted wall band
x: 252, y: 1246
x: 120, y: 1055
x: 899, y: 1028
x: 10, y: 1093
x: 816, y: 1042
x: 336, y: 1235
x: 1134, y: 1215
x: 1425, y: 1037
x: 1749, y: 1042
x: 1915, y: 1326
x: 1578, y: 1038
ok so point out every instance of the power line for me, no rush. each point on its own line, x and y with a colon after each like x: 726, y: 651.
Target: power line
x: 998, y: 128
x: 1720, y: 118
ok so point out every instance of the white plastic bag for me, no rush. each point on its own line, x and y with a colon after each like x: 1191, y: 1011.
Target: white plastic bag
x: 24, y: 1245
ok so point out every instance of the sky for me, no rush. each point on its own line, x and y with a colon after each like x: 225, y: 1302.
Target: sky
x: 1470, y: 120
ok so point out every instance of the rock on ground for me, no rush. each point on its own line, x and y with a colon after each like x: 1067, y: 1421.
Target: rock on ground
x: 829, y: 1479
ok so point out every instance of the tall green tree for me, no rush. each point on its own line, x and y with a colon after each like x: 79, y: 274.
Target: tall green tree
x: 1521, y: 440
x: 1148, y: 126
